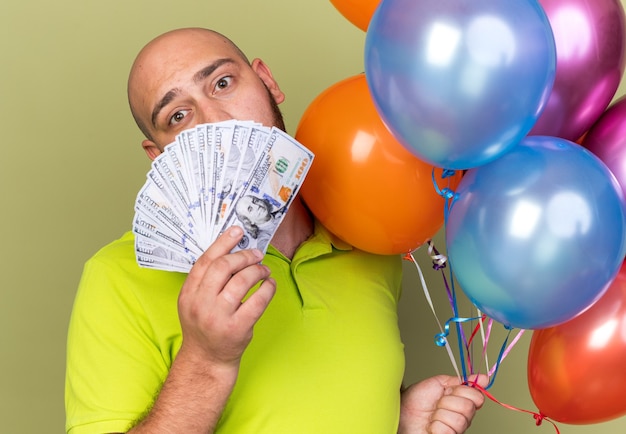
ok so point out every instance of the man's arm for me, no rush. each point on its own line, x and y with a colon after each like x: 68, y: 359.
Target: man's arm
x: 217, y: 327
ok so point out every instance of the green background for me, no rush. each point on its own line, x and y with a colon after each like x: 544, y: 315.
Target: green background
x: 71, y: 164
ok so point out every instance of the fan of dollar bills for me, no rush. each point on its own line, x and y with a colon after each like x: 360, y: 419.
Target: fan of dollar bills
x: 212, y: 177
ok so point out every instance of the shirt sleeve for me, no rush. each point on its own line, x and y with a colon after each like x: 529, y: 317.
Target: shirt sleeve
x: 114, y: 367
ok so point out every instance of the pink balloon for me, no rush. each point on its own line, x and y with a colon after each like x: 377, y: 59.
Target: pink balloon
x: 607, y: 140
x: 590, y: 37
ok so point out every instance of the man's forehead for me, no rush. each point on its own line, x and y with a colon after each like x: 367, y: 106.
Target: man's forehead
x: 164, y: 67
x: 190, y: 41
x: 173, y: 55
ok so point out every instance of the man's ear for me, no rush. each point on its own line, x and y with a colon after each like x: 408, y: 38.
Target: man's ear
x: 263, y: 71
x: 151, y: 148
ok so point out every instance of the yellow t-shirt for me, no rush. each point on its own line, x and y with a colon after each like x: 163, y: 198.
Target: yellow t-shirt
x: 326, y: 356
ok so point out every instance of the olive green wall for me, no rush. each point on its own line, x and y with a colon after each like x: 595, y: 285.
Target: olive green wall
x: 71, y: 164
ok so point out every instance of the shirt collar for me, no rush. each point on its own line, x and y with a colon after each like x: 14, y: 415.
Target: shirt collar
x: 321, y: 242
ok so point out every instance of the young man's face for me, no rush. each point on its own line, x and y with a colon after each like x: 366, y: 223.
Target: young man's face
x: 193, y: 76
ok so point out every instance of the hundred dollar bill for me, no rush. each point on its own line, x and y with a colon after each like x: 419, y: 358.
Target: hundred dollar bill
x: 213, y: 176
x: 156, y: 208
x: 222, y: 140
x: 250, y: 145
x: 187, y: 149
x: 204, y: 134
x: 156, y: 255
x: 171, y: 192
x: 274, y: 182
x: 230, y: 146
x: 152, y: 261
x: 182, y: 182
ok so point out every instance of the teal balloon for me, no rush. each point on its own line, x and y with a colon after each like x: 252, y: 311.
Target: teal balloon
x: 461, y: 82
x: 536, y: 237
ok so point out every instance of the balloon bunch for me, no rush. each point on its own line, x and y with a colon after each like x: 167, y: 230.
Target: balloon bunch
x: 535, y: 230
x: 535, y: 227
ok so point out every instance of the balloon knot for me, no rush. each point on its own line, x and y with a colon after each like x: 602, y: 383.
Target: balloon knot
x: 539, y: 418
x: 447, y: 193
x: 446, y: 173
x: 437, y: 266
x: 439, y: 260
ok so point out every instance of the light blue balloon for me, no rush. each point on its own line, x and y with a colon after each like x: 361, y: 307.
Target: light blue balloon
x: 459, y: 82
x: 536, y: 236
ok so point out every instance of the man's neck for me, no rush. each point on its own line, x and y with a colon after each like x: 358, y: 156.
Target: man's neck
x: 295, y: 228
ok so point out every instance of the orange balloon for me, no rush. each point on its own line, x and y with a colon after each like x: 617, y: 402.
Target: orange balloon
x: 364, y: 186
x: 577, y: 370
x: 358, y: 12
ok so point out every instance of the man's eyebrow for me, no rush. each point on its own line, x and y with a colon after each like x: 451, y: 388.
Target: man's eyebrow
x: 210, y: 69
x: 167, y: 98
x: 197, y: 77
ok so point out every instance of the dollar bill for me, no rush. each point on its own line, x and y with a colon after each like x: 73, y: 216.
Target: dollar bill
x: 250, y: 144
x: 211, y: 177
x: 276, y: 179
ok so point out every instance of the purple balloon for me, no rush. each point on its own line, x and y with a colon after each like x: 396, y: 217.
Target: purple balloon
x: 590, y: 37
x: 607, y: 140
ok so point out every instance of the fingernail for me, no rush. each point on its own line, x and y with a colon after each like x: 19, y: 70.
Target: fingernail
x: 257, y: 253
x: 235, y: 232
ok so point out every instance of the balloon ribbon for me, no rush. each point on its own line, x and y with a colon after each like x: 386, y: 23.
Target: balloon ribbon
x: 439, y: 263
x: 539, y: 417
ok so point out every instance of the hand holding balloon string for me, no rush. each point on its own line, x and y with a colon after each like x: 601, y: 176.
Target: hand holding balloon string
x: 440, y: 262
x: 441, y: 339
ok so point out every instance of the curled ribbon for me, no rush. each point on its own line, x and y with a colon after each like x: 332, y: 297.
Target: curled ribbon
x: 441, y: 338
x: 539, y: 417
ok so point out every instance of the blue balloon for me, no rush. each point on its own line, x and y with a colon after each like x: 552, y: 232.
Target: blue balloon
x: 459, y: 82
x: 535, y: 237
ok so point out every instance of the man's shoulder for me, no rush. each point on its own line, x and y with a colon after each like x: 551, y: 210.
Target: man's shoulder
x: 121, y: 248
x: 115, y: 266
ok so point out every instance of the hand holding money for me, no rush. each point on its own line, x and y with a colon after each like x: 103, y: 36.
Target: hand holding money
x: 216, y: 322
x: 215, y: 176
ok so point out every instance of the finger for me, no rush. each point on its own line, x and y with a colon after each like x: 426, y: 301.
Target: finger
x: 217, y: 273
x: 204, y: 286
x: 241, y: 282
x: 445, y: 421
x: 447, y: 382
x: 478, y: 379
x: 473, y: 389
x: 222, y: 245
x: 462, y: 405
x: 251, y: 310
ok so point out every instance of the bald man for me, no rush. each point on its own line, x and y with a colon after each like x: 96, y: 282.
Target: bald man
x: 157, y: 352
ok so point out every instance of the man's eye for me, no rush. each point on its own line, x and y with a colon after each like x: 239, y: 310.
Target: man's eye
x: 223, y: 83
x: 178, y: 117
